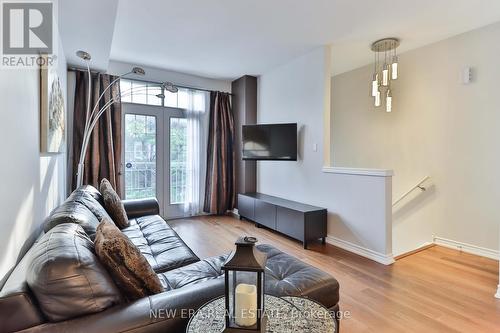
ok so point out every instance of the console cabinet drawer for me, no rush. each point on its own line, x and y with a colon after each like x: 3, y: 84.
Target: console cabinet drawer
x: 265, y: 214
x: 290, y: 222
x: 246, y: 207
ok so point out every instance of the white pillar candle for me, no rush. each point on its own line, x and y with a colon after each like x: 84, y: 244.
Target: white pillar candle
x: 245, y: 305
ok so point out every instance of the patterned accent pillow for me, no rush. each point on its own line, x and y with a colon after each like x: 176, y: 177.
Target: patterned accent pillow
x: 125, y: 263
x: 113, y: 204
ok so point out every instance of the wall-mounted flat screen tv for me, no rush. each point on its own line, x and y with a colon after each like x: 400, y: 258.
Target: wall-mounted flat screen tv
x: 270, y: 142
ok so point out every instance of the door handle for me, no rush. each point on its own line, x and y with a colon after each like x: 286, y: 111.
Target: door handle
x: 128, y: 165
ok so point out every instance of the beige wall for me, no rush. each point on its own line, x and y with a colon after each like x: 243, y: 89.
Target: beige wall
x: 439, y: 127
x: 357, y: 211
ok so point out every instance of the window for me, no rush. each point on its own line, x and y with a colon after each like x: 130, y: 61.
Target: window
x: 170, y: 99
x: 125, y: 86
x: 178, y: 160
x: 139, y: 92
x: 140, y: 156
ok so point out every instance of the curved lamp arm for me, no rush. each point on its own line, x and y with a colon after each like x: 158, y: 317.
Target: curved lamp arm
x: 86, y: 137
x: 98, y: 115
x: 91, y: 122
x: 102, y: 94
x: 91, y: 118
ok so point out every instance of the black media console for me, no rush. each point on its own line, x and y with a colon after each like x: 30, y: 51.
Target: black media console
x: 294, y: 219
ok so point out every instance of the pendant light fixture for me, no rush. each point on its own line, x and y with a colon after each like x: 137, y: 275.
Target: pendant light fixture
x: 394, y: 68
x: 375, y: 85
x: 375, y: 78
x: 388, y: 101
x: 385, y: 72
x: 378, y: 101
x: 385, y: 75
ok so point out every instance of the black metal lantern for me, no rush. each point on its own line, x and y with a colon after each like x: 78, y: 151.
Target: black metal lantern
x: 244, y: 288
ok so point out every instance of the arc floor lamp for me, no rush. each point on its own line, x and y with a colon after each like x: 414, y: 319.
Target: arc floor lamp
x: 93, y: 115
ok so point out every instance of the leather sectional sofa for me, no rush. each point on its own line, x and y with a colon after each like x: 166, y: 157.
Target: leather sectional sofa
x: 97, y: 306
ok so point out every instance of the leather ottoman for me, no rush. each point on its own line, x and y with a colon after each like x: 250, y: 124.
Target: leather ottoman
x: 285, y: 276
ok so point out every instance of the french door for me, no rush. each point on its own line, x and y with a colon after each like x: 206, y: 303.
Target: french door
x: 154, y: 156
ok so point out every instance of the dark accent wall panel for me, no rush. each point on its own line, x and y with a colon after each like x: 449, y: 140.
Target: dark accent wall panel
x: 244, y: 102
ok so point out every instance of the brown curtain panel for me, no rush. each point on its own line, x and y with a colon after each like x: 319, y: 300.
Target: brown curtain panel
x: 103, y: 158
x: 219, y: 188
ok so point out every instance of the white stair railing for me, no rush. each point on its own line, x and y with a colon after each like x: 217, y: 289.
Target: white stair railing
x: 418, y: 185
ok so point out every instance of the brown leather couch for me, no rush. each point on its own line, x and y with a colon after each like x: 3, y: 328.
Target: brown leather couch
x: 58, y: 285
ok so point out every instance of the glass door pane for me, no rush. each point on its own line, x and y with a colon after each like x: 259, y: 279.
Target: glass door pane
x: 140, y: 156
x: 155, y: 156
x: 178, y: 160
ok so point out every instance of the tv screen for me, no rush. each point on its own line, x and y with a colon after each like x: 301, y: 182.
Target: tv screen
x: 270, y: 142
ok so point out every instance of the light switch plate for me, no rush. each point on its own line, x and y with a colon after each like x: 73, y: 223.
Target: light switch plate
x: 466, y: 75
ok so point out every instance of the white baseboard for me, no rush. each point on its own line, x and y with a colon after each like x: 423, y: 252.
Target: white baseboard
x: 469, y: 248
x: 388, y: 259
x: 422, y: 247
x: 385, y: 259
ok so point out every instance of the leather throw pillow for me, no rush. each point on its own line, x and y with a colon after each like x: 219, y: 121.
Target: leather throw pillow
x: 113, y: 204
x: 125, y: 263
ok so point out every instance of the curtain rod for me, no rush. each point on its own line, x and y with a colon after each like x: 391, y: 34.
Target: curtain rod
x: 74, y: 69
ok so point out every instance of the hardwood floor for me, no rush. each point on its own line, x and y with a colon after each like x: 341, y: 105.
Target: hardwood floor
x: 435, y: 290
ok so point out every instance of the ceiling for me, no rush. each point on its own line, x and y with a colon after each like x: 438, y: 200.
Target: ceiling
x: 226, y: 39
x: 87, y: 25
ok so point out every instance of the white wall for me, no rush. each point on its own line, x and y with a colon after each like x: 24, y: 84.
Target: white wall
x: 357, y: 205
x: 438, y: 127
x: 32, y: 183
